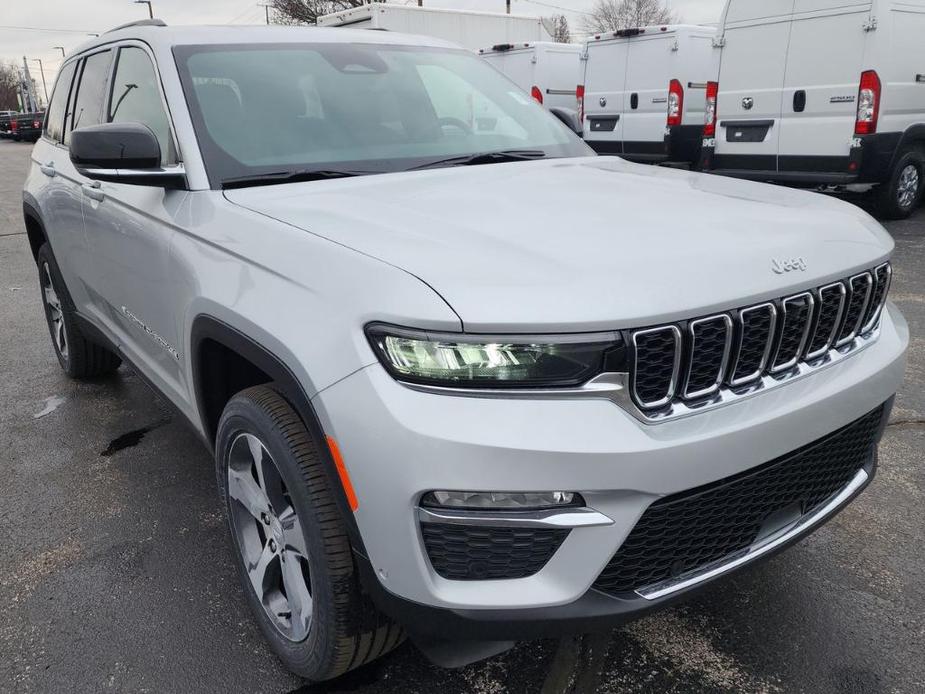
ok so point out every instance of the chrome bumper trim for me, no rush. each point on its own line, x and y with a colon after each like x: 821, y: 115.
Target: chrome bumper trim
x: 764, y: 546
x: 547, y: 518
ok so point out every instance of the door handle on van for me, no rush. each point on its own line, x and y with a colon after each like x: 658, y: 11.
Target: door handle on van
x: 634, y: 101
x: 92, y: 191
x: 799, y: 101
x: 48, y: 169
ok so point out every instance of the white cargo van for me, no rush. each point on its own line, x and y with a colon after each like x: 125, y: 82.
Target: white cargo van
x: 549, y: 72
x: 471, y: 30
x: 822, y: 92
x: 644, y: 91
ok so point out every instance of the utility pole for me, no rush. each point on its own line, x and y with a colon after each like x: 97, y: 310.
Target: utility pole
x: 266, y: 7
x: 42, y: 71
x: 508, y: 5
x: 148, y: 3
x: 61, y: 48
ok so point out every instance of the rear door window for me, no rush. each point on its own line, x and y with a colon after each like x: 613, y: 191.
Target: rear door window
x: 87, y: 108
x: 54, y: 120
x: 136, y: 98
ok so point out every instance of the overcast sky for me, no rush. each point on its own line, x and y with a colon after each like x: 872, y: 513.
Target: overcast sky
x: 80, y: 16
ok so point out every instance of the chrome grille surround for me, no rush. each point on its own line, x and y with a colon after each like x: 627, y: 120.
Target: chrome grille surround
x: 693, y: 327
x: 788, y: 316
x: 825, y: 344
x: 676, y: 369
x: 796, y: 321
x: 769, y: 343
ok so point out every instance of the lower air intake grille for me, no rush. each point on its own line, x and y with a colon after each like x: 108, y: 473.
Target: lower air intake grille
x: 683, y: 532
x: 470, y: 553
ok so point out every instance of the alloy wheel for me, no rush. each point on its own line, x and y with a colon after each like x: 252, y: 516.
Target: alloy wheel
x: 268, y: 534
x: 55, y: 314
x: 908, y: 187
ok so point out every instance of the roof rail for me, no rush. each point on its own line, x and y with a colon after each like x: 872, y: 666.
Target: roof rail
x: 140, y: 23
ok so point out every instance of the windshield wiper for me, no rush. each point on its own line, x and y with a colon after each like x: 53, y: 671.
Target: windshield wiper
x: 485, y: 158
x: 274, y: 177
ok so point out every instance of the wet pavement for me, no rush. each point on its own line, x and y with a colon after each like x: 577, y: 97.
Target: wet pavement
x: 116, y: 574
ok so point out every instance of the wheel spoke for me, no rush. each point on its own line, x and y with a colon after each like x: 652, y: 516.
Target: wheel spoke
x: 243, y: 489
x: 298, y: 596
x: 292, y: 533
x: 257, y: 571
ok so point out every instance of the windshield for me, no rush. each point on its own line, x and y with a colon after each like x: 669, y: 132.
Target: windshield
x: 266, y: 109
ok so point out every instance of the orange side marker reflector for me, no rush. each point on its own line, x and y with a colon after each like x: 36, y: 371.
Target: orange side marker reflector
x: 342, y: 473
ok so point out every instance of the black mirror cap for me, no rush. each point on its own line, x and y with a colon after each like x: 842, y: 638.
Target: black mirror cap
x: 569, y: 118
x: 115, y: 146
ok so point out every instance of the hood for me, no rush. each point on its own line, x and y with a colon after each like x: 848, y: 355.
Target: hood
x: 593, y: 243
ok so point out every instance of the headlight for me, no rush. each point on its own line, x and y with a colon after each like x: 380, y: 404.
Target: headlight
x: 481, y: 361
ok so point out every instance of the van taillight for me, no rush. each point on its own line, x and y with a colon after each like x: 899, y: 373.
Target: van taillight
x: 580, y: 98
x: 13, y: 124
x: 868, y: 104
x: 675, y: 102
x: 709, y: 114
x: 537, y: 94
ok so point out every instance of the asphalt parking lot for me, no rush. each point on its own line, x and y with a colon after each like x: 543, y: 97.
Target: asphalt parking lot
x: 116, y: 573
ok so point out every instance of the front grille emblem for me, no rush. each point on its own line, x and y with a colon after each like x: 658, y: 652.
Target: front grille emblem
x: 747, y: 103
x: 781, y: 265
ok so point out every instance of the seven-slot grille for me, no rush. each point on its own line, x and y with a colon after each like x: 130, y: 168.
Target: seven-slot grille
x: 695, y: 360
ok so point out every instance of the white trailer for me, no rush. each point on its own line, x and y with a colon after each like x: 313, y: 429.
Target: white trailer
x: 549, y: 72
x: 471, y: 30
x: 644, y: 91
x: 823, y: 93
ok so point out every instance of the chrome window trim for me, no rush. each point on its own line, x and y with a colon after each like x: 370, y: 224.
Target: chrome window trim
x: 870, y: 285
x: 843, y: 294
x: 724, y: 363
x: 875, y: 315
x: 573, y: 517
x: 772, y: 333
x: 790, y: 363
x: 733, y: 561
x: 676, y: 369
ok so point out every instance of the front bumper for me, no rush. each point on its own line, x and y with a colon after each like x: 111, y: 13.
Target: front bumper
x: 399, y: 443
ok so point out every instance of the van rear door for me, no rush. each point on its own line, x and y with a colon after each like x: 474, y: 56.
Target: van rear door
x: 645, y: 100
x: 751, y: 80
x: 605, y: 79
x: 824, y: 65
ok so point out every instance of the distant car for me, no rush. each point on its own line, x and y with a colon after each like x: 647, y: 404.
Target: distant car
x: 27, y: 126
x: 5, y: 118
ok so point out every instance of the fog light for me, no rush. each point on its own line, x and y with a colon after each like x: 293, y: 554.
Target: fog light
x: 505, y: 501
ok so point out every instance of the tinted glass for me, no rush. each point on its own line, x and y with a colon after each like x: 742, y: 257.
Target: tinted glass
x: 136, y: 98
x: 271, y: 108
x: 88, y: 105
x: 54, y: 120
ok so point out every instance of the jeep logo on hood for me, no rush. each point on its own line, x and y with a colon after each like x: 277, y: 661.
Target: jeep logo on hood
x: 782, y: 265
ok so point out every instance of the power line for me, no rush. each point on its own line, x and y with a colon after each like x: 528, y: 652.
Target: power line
x: 65, y: 31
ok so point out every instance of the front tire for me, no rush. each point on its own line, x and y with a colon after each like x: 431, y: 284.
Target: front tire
x: 292, y: 550
x: 79, y: 357
x: 899, y: 197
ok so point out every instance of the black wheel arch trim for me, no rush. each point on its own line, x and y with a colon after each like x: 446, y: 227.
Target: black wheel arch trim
x: 206, y: 327
x: 30, y: 211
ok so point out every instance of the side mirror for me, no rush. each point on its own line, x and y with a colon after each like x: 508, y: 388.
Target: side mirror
x: 569, y: 119
x: 123, y: 153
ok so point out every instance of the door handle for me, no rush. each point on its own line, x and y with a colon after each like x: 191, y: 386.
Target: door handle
x: 92, y: 191
x: 799, y: 101
x: 634, y: 101
x: 48, y: 169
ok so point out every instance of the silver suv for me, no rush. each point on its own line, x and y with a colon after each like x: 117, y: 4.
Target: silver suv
x: 463, y: 379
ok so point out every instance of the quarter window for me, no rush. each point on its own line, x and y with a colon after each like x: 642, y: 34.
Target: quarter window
x: 87, y: 108
x: 54, y: 121
x: 136, y: 98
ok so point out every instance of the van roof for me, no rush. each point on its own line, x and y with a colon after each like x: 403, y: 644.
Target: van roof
x: 656, y: 29
x: 507, y: 47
